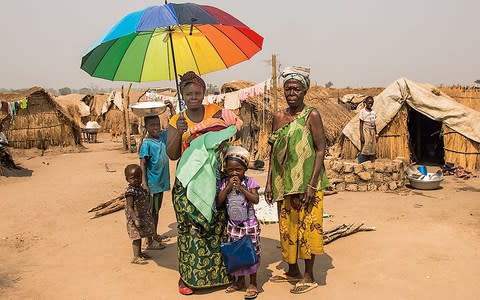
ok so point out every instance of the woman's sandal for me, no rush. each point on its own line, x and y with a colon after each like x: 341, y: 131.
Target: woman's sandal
x: 138, y: 260
x: 251, y: 293
x: 155, y: 246
x: 233, y: 288
x: 161, y: 238
x: 303, y: 287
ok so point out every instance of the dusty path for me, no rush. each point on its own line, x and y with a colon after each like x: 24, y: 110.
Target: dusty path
x: 427, y: 245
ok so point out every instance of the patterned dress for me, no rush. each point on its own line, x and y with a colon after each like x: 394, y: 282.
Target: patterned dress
x: 293, y: 161
x: 200, y: 260
x: 250, y: 227
x: 142, y: 210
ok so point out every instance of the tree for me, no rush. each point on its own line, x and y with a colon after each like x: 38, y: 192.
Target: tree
x: 85, y: 91
x: 65, y: 91
x: 328, y: 84
x: 212, y: 89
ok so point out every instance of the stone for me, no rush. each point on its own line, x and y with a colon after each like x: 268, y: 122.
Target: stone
x: 362, y: 187
x: 372, y: 187
x: 337, y: 166
x: 395, y: 176
x: 367, y: 165
x: 365, y: 176
x: 340, y: 186
x: 392, y: 186
x: 378, y: 177
x: 351, y: 187
x: 336, y: 179
x: 358, y: 168
x: 383, y: 187
x: 350, y: 178
x: 348, y: 168
x: 379, y: 166
x: 388, y: 168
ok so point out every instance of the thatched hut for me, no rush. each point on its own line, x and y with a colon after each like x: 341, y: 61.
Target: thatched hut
x: 109, y: 109
x: 42, y: 124
x: 235, y: 85
x: 417, y: 122
x: 77, y: 106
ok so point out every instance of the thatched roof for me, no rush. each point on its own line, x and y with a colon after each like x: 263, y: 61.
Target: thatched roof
x: 235, y: 85
x: 42, y: 124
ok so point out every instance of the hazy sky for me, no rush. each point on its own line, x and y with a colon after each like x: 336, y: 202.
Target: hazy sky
x: 348, y: 42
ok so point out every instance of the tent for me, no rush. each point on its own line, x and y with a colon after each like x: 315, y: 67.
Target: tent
x: 419, y: 122
x: 43, y: 123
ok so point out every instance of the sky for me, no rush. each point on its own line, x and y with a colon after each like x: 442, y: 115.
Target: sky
x: 353, y: 43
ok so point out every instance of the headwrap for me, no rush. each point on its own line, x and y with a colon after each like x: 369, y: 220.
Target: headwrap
x: 239, y: 154
x: 297, y: 73
x: 191, y: 77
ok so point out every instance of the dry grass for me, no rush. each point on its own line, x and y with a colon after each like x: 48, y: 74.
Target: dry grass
x: 460, y: 150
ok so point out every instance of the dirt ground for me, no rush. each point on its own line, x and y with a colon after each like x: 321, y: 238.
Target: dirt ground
x: 426, y: 245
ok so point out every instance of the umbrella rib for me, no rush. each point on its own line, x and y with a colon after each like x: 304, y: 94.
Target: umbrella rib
x: 232, y: 40
x: 193, y: 54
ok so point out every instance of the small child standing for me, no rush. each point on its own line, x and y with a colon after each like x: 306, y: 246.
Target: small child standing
x: 155, y: 170
x: 240, y: 193
x: 137, y: 212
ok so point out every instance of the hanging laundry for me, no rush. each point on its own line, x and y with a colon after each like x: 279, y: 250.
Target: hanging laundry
x: 24, y: 103
x: 232, y: 100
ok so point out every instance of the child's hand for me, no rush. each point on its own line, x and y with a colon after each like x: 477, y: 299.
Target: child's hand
x: 145, y: 187
x: 169, y: 104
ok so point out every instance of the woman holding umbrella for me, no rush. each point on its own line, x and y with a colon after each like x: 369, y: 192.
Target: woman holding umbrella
x: 200, y: 230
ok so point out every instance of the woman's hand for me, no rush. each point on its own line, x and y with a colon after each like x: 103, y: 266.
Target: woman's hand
x: 182, y: 123
x: 138, y: 223
x: 268, y: 193
x: 309, y: 196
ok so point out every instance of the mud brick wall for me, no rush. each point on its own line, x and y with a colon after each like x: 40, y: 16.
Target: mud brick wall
x: 381, y: 175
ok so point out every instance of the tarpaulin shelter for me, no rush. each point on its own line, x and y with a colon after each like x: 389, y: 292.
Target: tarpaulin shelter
x: 418, y: 122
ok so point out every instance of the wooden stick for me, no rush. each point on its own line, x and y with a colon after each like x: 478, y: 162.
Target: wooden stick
x: 106, y: 204
x: 110, y: 209
x: 342, y: 231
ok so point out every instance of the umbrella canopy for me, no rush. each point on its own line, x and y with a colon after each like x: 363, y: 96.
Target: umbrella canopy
x: 157, y: 42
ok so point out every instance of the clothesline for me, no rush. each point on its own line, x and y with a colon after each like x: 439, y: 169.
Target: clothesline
x: 232, y: 100
x: 11, y: 108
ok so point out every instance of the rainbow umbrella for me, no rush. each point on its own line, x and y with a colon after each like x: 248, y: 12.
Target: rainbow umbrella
x: 159, y: 42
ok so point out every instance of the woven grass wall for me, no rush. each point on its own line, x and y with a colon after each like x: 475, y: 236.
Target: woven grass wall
x: 460, y: 150
x: 41, y: 125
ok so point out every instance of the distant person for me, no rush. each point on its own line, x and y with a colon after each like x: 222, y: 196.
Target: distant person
x: 368, y: 132
x: 5, y: 157
x: 155, y: 169
x: 239, y: 193
x: 137, y: 212
x: 296, y: 180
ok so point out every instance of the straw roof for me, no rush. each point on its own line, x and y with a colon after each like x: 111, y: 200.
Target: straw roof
x: 43, y: 123
x: 235, y: 85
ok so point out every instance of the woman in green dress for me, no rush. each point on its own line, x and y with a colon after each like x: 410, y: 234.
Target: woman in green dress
x: 201, y: 228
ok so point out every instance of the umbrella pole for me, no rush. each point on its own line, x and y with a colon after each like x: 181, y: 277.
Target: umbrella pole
x: 180, y: 102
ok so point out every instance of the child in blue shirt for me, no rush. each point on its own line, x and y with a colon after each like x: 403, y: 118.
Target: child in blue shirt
x: 156, y: 174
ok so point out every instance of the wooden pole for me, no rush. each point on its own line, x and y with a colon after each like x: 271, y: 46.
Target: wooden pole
x: 274, y: 82
x: 126, y: 117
